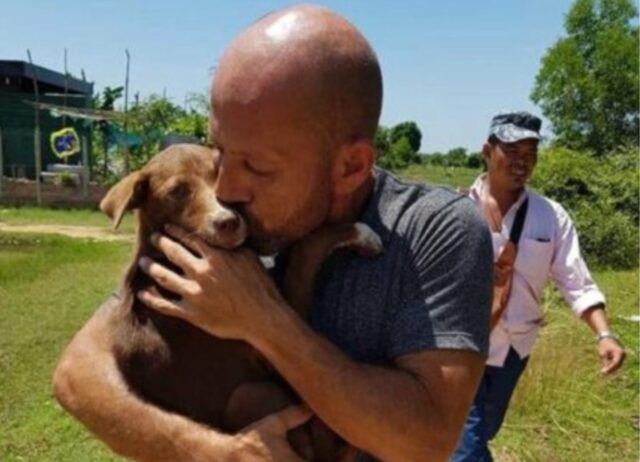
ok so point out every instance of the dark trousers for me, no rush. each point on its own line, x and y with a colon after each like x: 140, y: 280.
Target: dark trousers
x: 488, y: 409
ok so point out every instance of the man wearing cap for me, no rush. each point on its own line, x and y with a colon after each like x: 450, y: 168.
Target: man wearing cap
x: 533, y: 238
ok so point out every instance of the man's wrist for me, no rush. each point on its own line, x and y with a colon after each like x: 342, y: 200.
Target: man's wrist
x: 606, y: 333
x: 272, y: 315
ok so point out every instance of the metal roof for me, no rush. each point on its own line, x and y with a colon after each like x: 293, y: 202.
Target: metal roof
x: 9, y: 68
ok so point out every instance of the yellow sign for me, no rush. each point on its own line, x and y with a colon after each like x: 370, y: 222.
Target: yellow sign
x: 65, y: 142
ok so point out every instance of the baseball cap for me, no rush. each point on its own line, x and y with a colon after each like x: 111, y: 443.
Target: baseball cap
x: 510, y: 127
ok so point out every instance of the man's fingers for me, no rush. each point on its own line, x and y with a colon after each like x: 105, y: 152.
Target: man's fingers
x: 612, y: 359
x: 162, y: 305
x: 191, y: 240
x: 165, y: 277
x: 294, y: 416
x: 175, y: 252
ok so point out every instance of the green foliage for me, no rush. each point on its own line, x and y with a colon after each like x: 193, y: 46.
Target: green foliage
x: 588, y: 85
x: 396, y: 146
x: 475, y: 160
x: 408, y: 130
x: 106, y: 101
x: 602, y: 195
x: 148, y: 119
x: 457, y: 157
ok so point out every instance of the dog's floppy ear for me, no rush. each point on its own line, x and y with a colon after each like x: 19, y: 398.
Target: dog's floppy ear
x: 126, y: 194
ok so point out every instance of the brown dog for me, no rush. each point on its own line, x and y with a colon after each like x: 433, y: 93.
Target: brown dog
x: 221, y: 383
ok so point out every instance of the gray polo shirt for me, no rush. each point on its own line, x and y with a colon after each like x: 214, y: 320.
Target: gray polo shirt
x: 430, y: 289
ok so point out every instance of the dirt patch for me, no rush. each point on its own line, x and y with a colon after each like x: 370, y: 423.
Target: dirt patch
x: 90, y: 232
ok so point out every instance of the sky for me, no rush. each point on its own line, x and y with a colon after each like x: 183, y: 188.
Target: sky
x: 447, y: 65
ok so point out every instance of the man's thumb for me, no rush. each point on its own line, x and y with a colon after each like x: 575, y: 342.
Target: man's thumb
x: 294, y: 416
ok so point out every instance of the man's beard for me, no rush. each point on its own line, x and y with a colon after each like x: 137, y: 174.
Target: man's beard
x: 270, y: 243
x: 258, y: 239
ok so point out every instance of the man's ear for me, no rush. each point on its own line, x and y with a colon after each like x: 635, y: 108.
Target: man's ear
x: 486, y: 151
x: 352, y: 166
x: 127, y: 194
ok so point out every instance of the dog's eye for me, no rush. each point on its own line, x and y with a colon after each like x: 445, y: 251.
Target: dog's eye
x: 180, y: 191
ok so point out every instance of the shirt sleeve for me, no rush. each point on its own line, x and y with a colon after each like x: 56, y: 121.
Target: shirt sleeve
x: 569, y: 270
x: 448, y: 281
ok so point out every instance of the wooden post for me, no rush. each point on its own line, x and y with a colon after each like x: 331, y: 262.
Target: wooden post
x: 85, y: 167
x: 66, y: 89
x: 36, y: 132
x: 126, y: 107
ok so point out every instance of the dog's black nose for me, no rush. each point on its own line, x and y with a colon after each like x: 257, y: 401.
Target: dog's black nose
x: 226, y: 224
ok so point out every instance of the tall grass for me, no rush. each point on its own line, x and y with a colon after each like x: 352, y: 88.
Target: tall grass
x: 563, y: 409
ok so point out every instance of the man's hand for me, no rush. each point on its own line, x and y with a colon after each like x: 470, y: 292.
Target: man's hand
x: 266, y: 440
x: 610, y: 350
x: 611, y: 355
x: 222, y: 292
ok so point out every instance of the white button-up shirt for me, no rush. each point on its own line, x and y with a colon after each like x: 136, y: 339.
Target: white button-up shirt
x: 548, y: 247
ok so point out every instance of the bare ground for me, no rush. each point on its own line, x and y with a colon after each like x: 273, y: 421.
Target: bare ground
x: 91, y: 232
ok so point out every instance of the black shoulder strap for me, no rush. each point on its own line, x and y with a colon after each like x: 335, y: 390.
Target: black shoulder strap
x: 518, y: 222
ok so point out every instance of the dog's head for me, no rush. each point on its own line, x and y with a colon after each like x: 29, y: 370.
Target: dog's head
x: 177, y: 187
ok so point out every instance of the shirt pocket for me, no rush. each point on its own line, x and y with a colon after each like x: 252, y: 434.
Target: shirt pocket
x: 533, y: 261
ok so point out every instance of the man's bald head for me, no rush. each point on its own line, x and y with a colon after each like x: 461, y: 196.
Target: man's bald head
x: 312, y: 57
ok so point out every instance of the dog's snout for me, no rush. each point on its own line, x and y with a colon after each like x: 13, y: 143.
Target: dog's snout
x: 226, y: 224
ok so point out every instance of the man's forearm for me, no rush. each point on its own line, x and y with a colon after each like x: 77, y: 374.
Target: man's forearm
x: 596, y: 318
x: 87, y: 383
x: 387, y: 412
x: 131, y: 427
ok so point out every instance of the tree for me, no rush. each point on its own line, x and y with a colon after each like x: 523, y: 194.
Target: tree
x: 474, y: 160
x: 456, y: 157
x: 148, y: 120
x: 588, y: 84
x: 402, y: 153
x: 408, y: 130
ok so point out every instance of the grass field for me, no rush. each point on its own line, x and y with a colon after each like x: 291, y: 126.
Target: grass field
x: 74, y: 217
x: 449, y: 176
x: 49, y: 285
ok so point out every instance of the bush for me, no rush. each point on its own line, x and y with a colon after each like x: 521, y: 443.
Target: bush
x: 66, y: 180
x: 602, y: 196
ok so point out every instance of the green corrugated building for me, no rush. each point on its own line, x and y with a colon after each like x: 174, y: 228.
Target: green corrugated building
x: 17, y: 118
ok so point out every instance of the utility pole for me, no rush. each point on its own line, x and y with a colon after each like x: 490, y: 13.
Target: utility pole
x: 126, y: 107
x: 36, y: 133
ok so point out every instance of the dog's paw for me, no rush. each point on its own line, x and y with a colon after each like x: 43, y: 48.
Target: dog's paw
x: 365, y: 241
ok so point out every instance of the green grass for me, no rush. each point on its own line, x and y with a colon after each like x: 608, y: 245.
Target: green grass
x: 67, y: 217
x: 450, y: 176
x: 50, y: 285
x: 563, y: 409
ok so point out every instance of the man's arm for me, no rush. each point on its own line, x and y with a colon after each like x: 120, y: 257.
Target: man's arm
x: 88, y: 384
x: 571, y: 275
x: 412, y: 413
x: 610, y: 350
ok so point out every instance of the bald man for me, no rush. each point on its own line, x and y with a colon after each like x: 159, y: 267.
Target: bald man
x: 396, y: 345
